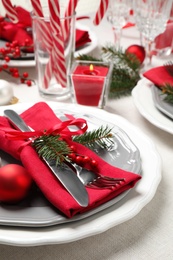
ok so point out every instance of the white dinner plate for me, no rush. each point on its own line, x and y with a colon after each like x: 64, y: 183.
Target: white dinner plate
x: 36, y: 211
x: 142, y: 95
x: 86, y: 49
x: 122, y: 211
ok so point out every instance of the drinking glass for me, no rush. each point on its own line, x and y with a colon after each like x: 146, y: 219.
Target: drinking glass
x: 118, y: 15
x: 151, y: 18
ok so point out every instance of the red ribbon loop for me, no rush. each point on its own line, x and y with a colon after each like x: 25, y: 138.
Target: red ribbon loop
x: 61, y: 128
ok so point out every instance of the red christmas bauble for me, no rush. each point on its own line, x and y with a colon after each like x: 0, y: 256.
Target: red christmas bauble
x: 15, y: 182
x: 138, y: 51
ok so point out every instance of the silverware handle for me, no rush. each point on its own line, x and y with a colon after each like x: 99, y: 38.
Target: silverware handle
x: 16, y: 121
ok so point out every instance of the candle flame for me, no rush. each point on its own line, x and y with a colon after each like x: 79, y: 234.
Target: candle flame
x: 91, y: 67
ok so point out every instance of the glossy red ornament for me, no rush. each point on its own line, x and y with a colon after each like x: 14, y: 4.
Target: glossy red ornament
x: 15, y: 183
x: 138, y: 51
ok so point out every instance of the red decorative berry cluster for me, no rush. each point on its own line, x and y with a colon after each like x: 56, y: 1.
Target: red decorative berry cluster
x: 13, y: 50
x: 82, y: 159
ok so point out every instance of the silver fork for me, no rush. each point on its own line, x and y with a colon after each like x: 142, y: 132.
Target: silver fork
x: 94, y: 180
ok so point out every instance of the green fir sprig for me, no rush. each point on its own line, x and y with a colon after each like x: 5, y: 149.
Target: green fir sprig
x: 101, y: 137
x: 53, y: 147
x: 126, y: 70
x: 168, y: 90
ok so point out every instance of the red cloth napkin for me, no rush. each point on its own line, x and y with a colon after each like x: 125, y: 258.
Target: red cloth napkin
x: 165, y: 39
x: 10, y: 31
x: 159, y: 76
x: 41, y: 117
x: 82, y: 38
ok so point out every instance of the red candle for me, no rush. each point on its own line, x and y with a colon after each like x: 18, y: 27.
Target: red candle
x: 88, y: 83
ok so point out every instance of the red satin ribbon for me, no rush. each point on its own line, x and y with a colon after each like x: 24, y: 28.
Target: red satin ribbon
x: 60, y: 128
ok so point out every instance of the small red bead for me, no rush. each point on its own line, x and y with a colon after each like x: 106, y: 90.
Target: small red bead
x: 22, y: 80
x: 5, y: 66
x: 7, y: 58
x: 73, y: 148
x: 25, y: 74
x: 94, y: 163
x: 79, y: 159
x: 15, y: 74
x: 29, y: 83
x: 72, y: 156
x: 7, y: 44
x: 86, y: 159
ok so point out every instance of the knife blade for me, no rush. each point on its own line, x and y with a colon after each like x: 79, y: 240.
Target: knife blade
x: 67, y: 177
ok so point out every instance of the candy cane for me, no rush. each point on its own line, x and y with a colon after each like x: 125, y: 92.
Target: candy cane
x: 101, y: 11
x: 68, y: 13
x: 37, y: 7
x: 46, y: 38
x: 11, y: 12
x: 58, y: 40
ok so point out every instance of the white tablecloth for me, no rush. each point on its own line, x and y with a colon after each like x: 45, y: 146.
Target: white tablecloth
x: 149, y: 235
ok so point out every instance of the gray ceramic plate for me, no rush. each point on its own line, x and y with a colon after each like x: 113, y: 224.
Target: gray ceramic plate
x: 163, y: 106
x: 36, y: 211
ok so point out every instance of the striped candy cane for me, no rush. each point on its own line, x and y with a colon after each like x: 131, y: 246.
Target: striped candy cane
x: 36, y: 5
x: 101, y: 11
x: 58, y: 41
x: 46, y: 38
x: 37, y: 8
x: 11, y: 12
x: 68, y: 13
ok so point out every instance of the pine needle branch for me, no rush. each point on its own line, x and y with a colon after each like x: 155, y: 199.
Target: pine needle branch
x: 52, y: 148
x: 101, y: 137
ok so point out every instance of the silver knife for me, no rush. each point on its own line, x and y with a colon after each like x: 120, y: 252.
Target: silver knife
x: 67, y: 177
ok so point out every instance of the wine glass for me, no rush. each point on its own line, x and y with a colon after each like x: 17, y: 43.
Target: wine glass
x: 118, y: 15
x: 151, y: 18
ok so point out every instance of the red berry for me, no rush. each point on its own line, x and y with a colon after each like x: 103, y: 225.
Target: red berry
x: 22, y: 80
x: 7, y: 44
x: 29, y: 83
x: 86, y: 159
x: 26, y: 42
x: 7, y: 58
x: 5, y: 66
x: 94, y: 163
x: 73, y: 148
x: 15, y: 74
x: 79, y: 159
x: 25, y: 74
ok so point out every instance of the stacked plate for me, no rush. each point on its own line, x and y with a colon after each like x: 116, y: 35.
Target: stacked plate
x: 36, y: 222
x: 151, y: 104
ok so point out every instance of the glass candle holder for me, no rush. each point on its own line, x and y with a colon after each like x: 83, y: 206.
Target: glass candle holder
x: 90, y: 82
